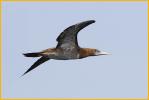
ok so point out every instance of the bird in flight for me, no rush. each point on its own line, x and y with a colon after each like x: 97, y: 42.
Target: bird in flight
x: 67, y: 47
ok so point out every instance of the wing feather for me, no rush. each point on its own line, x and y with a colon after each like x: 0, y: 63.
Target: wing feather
x: 37, y: 63
x: 69, y: 35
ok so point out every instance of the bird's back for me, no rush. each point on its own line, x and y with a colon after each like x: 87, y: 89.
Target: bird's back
x: 68, y: 53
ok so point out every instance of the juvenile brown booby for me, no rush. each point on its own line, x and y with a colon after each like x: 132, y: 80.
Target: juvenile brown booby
x: 67, y: 47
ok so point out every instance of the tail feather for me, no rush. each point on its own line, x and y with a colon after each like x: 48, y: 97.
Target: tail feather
x: 32, y: 54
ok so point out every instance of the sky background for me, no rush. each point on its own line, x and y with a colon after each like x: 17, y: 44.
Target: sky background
x: 120, y: 29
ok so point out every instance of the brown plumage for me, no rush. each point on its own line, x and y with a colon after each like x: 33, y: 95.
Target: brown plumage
x: 67, y: 47
x: 85, y: 52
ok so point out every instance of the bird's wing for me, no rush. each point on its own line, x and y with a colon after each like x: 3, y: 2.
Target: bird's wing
x: 69, y: 36
x: 37, y: 63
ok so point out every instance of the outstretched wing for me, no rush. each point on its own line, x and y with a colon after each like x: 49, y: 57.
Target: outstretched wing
x: 68, y: 37
x: 37, y: 63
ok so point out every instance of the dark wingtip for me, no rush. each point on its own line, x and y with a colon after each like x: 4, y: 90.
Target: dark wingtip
x: 93, y: 21
x: 22, y: 75
x: 25, y: 73
x: 83, y: 24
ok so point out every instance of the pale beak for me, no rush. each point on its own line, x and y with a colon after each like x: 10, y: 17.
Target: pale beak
x: 102, y: 53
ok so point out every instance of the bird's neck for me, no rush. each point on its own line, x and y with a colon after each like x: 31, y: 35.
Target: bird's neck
x: 85, y: 52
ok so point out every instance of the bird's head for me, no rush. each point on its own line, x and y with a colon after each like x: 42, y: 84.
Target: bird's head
x: 86, y: 52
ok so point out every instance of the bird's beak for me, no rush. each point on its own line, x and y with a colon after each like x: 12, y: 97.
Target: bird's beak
x: 102, y: 53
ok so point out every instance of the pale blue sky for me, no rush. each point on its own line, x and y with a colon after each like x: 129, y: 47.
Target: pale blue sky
x: 120, y: 28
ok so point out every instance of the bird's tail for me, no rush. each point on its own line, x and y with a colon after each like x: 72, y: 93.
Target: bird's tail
x: 32, y: 54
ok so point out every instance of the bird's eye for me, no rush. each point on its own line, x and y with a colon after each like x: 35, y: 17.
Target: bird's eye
x: 97, y: 50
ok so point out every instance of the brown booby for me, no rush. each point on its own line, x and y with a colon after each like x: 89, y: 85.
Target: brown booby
x: 67, y: 47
